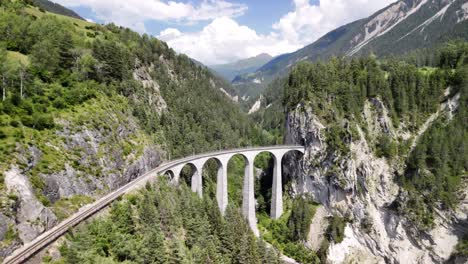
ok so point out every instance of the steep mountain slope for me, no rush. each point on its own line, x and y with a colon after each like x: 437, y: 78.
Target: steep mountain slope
x: 86, y: 108
x: 231, y: 70
x: 399, y: 28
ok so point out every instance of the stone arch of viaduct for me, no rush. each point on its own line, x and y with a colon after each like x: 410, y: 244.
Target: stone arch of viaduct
x: 248, y: 201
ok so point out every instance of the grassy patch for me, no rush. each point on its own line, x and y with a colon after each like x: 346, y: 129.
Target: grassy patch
x: 79, y: 24
x: 335, y: 230
x: 427, y: 70
x: 462, y: 247
x: 10, y: 236
x: 16, y: 58
x: 65, y: 207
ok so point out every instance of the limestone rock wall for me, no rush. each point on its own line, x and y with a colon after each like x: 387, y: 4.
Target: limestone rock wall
x: 361, y: 187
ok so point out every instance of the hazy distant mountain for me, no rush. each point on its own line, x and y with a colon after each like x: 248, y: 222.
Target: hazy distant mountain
x: 245, y: 66
x: 401, y: 27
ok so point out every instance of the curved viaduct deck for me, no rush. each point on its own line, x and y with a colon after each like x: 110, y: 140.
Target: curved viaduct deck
x: 174, y: 167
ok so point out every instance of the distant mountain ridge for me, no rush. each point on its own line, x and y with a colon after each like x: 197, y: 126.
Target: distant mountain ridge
x: 55, y: 8
x: 245, y: 66
x: 399, y: 28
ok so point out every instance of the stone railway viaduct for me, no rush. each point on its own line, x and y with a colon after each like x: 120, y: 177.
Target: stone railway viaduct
x: 174, y: 168
x: 248, y: 201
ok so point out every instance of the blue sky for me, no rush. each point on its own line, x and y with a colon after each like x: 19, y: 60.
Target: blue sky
x: 221, y: 31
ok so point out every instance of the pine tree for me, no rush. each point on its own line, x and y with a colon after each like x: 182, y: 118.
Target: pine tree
x: 121, y: 215
x: 153, y: 249
x: 177, y: 252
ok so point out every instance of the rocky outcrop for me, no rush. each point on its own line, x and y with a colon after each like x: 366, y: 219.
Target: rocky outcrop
x: 317, y: 229
x: 142, y: 74
x: 360, y: 187
x: 377, y: 118
x: 4, y: 225
x: 32, y: 218
x: 235, y: 99
x: 256, y: 106
x: 71, y: 181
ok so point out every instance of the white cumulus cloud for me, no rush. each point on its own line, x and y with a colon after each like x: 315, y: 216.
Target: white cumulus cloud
x: 134, y: 13
x: 309, y: 22
x: 224, y: 40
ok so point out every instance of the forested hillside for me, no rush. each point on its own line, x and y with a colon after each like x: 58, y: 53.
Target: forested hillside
x: 230, y: 70
x: 86, y: 108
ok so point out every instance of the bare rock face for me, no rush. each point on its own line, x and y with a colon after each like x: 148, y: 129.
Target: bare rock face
x: 32, y: 217
x: 384, y: 22
x: 317, y: 229
x: 143, y: 75
x: 5, y: 222
x: 361, y: 187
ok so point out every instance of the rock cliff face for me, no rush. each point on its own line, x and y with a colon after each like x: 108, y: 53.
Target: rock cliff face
x: 360, y: 187
x: 153, y: 96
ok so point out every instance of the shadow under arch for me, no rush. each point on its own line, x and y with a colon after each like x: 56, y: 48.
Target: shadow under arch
x: 212, y: 168
x: 169, y: 175
x: 291, y: 164
x: 236, y: 171
x: 188, y: 175
x: 264, y: 164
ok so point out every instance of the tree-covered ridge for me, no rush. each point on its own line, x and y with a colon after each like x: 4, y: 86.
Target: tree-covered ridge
x: 46, y: 5
x: 338, y: 91
x: 166, y: 224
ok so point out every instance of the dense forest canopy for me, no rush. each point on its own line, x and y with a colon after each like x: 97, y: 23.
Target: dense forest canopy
x: 164, y: 224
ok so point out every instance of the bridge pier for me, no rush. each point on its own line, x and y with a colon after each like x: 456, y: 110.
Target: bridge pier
x: 176, y: 173
x: 222, y: 184
x: 277, y: 188
x: 197, y: 180
x: 248, y: 195
x: 196, y: 183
